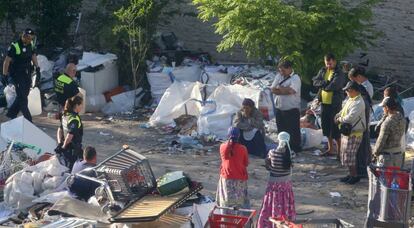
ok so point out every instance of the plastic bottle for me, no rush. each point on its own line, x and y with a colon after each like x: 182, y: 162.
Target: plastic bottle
x: 394, y: 183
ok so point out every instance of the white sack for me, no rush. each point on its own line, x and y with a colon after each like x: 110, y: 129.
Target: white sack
x: 311, y: 138
x: 10, y: 93
x: 172, y: 104
x: 228, y: 100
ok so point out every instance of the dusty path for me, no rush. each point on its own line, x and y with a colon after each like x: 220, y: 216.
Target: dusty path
x: 311, y: 189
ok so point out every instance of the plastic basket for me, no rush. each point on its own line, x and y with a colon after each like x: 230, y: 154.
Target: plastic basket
x: 129, y: 175
x: 386, y: 204
x: 221, y: 217
x: 312, y: 223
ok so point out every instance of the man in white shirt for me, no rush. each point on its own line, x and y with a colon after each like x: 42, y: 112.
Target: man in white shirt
x: 357, y: 74
x: 286, y: 87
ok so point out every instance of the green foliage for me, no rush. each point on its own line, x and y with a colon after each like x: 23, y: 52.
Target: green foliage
x: 10, y: 11
x: 53, y: 19
x: 135, y: 21
x: 302, y: 31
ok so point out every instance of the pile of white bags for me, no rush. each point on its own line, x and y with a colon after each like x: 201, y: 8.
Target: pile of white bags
x: 27, y: 185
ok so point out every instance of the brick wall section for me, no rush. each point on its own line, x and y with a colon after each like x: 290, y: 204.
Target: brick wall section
x: 394, y: 53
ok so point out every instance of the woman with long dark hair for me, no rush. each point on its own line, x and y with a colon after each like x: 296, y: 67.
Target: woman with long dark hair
x: 70, y: 132
x: 232, y: 186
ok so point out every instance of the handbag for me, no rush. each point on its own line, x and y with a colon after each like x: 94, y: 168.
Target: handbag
x: 346, y: 128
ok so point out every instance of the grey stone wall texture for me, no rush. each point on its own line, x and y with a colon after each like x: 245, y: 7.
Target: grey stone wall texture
x: 393, y: 54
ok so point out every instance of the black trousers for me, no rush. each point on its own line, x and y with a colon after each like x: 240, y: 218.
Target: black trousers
x: 289, y: 121
x: 21, y: 102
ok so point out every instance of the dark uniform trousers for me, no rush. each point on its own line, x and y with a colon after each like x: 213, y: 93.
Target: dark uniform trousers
x: 22, y: 84
x: 289, y: 121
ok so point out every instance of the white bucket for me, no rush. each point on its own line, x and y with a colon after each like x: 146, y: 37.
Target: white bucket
x: 35, y: 102
x: 83, y: 94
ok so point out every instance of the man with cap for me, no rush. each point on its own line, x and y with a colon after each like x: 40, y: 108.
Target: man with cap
x: 357, y: 74
x: 387, y: 150
x: 352, y: 116
x: 65, y: 86
x: 17, y: 69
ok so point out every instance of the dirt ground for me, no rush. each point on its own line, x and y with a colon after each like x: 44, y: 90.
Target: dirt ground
x: 314, y: 177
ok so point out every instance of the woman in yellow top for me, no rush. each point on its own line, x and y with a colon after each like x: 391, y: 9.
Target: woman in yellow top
x: 330, y: 81
x: 352, y: 114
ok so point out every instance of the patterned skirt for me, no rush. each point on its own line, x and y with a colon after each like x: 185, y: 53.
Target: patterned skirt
x: 278, y: 201
x: 349, y: 149
x: 232, y: 193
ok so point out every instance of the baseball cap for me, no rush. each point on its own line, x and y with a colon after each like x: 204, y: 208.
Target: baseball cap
x: 389, y: 102
x: 352, y: 85
x: 29, y: 31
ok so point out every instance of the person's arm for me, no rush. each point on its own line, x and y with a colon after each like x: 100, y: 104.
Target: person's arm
x: 257, y: 120
x: 336, y: 84
x: 67, y: 141
x: 382, y: 138
x: 59, y: 135
x: 319, y: 81
x: 34, y: 60
x: 6, y: 65
x: 241, y: 122
x: 283, y: 91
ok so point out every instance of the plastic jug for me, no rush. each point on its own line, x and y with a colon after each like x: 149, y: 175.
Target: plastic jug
x: 83, y: 93
x: 35, y: 102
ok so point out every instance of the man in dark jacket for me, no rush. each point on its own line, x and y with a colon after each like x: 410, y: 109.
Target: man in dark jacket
x: 330, y: 81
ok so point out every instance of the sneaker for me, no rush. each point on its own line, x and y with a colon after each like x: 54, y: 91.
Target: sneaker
x: 344, y: 179
x: 353, y: 180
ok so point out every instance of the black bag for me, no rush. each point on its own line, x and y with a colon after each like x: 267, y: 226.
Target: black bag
x: 346, y: 128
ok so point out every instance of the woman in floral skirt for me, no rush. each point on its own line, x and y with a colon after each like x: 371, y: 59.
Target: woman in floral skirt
x: 279, y: 199
x: 232, y: 186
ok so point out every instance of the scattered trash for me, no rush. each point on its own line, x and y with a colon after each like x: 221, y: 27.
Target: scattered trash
x: 317, y: 152
x: 336, y: 197
x: 104, y: 133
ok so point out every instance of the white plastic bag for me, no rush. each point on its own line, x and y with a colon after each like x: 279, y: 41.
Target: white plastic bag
x: 10, y: 93
x: 311, y: 138
x: 180, y: 98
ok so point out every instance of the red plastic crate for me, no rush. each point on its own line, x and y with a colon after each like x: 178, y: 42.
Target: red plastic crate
x: 221, y: 217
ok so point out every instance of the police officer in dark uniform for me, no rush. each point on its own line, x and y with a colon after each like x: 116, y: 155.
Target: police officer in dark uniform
x: 17, y: 69
x: 65, y: 86
x: 70, y: 133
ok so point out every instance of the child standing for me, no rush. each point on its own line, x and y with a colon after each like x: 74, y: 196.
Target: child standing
x: 232, y: 186
x: 279, y: 199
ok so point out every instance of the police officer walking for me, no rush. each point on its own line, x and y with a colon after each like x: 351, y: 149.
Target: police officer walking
x: 70, y: 133
x: 17, y: 68
x: 65, y: 86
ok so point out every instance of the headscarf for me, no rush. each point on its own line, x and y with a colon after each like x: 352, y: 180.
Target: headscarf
x: 233, y: 136
x: 248, y: 102
x: 283, y: 138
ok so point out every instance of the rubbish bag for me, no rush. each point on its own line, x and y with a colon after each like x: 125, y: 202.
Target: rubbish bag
x: 410, y: 132
x: 228, y: 100
x: 10, y: 93
x: 179, y: 99
x: 311, y: 138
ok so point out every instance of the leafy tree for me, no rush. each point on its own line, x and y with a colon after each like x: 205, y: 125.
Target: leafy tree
x: 302, y: 31
x: 10, y: 11
x: 53, y: 20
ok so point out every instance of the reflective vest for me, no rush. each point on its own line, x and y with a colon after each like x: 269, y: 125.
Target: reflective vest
x: 18, y: 49
x: 67, y: 119
x: 60, y: 83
